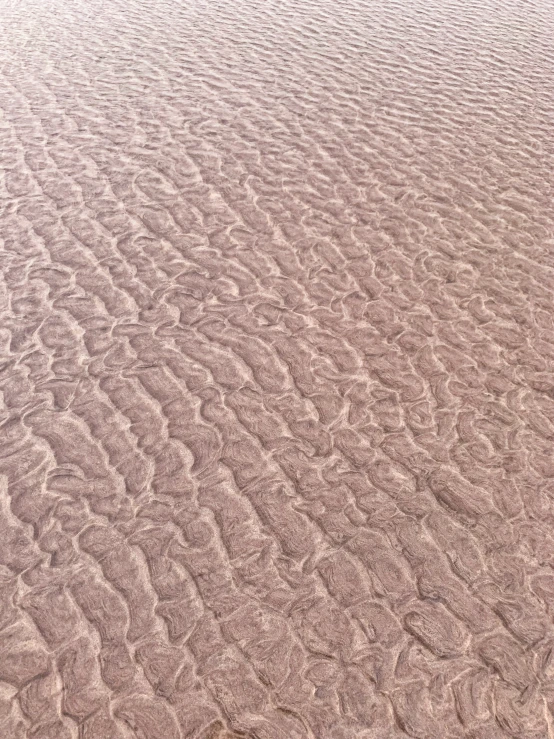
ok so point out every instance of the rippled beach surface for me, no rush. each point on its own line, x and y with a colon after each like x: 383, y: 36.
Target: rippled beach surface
x: 276, y: 369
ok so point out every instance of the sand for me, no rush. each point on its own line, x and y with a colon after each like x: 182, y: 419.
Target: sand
x: 276, y: 369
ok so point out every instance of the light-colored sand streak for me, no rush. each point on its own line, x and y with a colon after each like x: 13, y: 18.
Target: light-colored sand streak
x: 277, y: 353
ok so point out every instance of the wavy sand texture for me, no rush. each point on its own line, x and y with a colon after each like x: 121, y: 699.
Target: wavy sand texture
x: 277, y: 353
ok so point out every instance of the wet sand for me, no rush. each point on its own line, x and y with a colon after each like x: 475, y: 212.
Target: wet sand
x: 277, y: 353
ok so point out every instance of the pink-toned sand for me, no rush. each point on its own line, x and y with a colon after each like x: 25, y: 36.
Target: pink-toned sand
x: 277, y: 369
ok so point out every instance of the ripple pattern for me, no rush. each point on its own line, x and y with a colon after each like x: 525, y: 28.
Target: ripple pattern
x: 276, y: 369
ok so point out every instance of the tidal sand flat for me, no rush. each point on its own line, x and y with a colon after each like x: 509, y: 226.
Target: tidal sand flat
x: 276, y: 369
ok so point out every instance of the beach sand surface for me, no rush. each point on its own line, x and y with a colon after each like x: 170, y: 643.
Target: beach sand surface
x: 276, y: 369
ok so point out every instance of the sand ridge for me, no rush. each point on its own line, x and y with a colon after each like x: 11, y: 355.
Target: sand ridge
x: 276, y: 370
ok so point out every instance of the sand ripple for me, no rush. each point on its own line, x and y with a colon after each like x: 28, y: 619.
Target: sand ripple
x: 276, y: 369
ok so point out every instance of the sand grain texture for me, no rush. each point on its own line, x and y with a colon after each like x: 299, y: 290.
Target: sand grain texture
x: 276, y: 369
